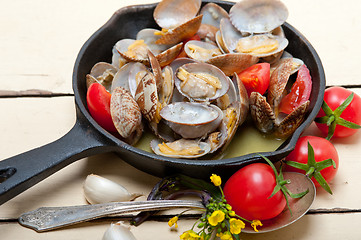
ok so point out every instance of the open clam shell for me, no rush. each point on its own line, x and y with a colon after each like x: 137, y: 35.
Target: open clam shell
x: 258, y: 45
x: 258, y: 16
x: 201, y: 51
x: 169, y: 14
x: 212, y: 14
x: 195, y: 88
x: 102, y: 73
x: 192, y: 120
x: 182, y: 32
x: 180, y: 145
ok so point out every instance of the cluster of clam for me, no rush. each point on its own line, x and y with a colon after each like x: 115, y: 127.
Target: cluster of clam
x: 191, y: 103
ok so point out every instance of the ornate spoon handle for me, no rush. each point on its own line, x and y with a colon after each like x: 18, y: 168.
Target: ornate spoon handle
x: 48, y: 218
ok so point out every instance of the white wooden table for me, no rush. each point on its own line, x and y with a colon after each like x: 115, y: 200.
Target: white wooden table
x: 39, y: 43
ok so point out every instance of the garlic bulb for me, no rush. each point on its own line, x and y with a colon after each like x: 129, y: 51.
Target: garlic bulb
x: 118, y: 231
x: 98, y: 189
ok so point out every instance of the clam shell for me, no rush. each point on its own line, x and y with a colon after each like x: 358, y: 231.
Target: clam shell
x: 122, y: 48
x: 282, y: 44
x: 243, y: 99
x: 102, y: 73
x: 258, y: 16
x: 121, y: 78
x: 205, y: 147
x: 169, y: 14
x: 136, y: 72
x: 204, y: 68
x: 182, y: 32
x: 205, y: 51
x: 229, y: 36
x: 147, y: 97
x: 278, y: 82
x: 167, y: 56
x: 212, y: 14
x: 165, y: 93
x: 147, y: 34
x: 190, y: 119
x: 125, y: 112
x: 156, y: 69
x: 233, y: 62
x: 261, y: 113
x: 292, y: 121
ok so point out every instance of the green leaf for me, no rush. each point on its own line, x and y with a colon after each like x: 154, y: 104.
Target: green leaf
x: 343, y: 105
x: 347, y: 124
x: 298, y: 165
x: 319, y: 178
x: 326, y: 108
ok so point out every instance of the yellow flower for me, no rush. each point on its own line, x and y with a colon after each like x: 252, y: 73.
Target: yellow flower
x: 216, y: 180
x: 216, y: 217
x: 173, y: 221
x: 190, y: 235
x: 225, y: 236
x: 236, y: 225
x: 256, y: 223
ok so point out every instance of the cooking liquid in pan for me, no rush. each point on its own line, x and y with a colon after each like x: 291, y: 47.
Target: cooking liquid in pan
x: 247, y: 140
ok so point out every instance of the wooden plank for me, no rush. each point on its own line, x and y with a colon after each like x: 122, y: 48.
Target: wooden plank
x: 320, y: 227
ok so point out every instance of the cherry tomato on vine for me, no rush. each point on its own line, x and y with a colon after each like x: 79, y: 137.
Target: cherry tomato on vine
x: 340, y: 115
x: 248, y: 192
x: 316, y: 157
x: 256, y: 78
x: 98, y: 100
x: 300, y: 91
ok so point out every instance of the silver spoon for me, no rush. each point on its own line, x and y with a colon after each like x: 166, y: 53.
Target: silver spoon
x: 49, y: 218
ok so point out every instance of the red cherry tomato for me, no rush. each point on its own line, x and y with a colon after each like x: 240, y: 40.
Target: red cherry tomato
x: 323, y: 150
x: 256, y: 78
x: 334, y: 97
x: 98, y: 100
x: 248, y: 192
x: 300, y: 91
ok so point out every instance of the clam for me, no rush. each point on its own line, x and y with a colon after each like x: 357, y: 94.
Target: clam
x: 102, y: 73
x: 177, y: 19
x: 258, y: 16
x: 201, y: 82
x: 212, y: 14
x: 233, y: 62
x: 147, y: 97
x: 261, y: 45
x: 137, y: 51
x: 126, y: 114
x: 190, y: 119
x: 201, y: 51
x: 265, y: 112
x: 121, y: 78
x: 182, y: 148
x: 268, y: 46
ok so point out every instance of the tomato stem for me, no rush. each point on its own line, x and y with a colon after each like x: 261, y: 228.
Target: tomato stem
x: 333, y: 118
x: 313, y: 168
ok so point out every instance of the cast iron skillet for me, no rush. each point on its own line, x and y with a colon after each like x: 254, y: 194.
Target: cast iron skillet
x: 87, y: 138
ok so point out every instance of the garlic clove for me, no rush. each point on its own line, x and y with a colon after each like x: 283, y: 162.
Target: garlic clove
x: 98, y: 189
x: 118, y: 231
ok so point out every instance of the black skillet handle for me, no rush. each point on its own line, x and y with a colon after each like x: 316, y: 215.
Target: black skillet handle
x: 22, y: 171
